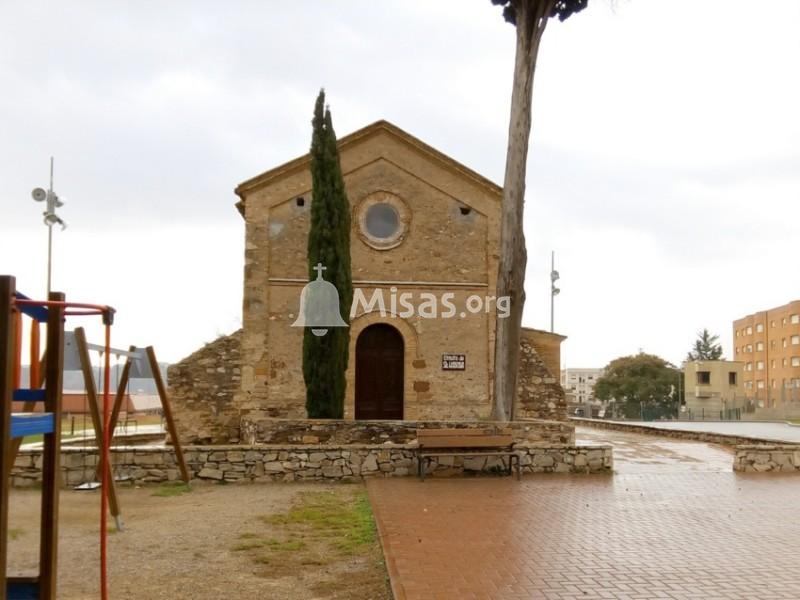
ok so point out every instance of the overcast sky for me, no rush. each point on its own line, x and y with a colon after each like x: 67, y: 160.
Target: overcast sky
x: 664, y: 168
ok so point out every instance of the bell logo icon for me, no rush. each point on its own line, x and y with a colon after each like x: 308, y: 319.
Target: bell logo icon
x: 319, y: 305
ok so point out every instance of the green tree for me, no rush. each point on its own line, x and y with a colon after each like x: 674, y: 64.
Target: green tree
x: 325, y: 357
x: 705, y: 347
x: 529, y: 18
x: 643, y: 385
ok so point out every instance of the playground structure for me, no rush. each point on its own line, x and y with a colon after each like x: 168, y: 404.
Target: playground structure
x: 145, y: 364
x: 45, y: 386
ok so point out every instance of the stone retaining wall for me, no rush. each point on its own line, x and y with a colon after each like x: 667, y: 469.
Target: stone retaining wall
x: 201, y: 387
x: 539, y: 392
x: 762, y: 459
x: 343, y: 432
x: 300, y: 463
x: 700, y: 436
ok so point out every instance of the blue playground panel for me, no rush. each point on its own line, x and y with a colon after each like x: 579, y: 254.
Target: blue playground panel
x: 22, y: 591
x: 25, y: 395
x: 35, y: 312
x: 23, y: 424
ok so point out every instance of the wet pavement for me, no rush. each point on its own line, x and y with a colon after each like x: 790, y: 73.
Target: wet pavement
x: 780, y: 432
x: 636, y: 453
x: 673, y: 522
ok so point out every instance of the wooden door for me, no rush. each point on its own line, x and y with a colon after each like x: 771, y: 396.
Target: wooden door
x: 379, y: 373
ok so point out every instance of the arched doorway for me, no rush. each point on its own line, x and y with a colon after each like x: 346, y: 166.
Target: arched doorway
x: 379, y: 373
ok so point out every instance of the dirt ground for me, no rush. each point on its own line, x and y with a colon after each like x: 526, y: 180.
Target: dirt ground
x: 276, y: 541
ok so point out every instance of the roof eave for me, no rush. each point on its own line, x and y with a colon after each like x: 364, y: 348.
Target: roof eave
x: 300, y: 162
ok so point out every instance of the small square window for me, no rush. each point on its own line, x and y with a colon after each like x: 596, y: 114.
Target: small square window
x: 732, y: 378
x: 796, y: 340
x: 760, y: 328
x: 759, y: 346
x: 760, y: 365
x: 796, y: 361
x: 703, y: 377
x: 795, y: 319
x: 749, y: 331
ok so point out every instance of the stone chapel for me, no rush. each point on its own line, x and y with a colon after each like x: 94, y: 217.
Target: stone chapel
x: 424, y: 252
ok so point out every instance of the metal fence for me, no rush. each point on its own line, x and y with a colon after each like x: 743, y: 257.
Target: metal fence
x: 761, y: 405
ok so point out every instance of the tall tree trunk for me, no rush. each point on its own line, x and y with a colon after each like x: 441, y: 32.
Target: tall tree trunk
x: 531, y: 19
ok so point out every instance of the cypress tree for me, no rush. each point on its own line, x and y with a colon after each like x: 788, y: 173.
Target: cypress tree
x: 325, y: 357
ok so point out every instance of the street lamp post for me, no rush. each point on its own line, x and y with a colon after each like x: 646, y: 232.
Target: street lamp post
x: 554, y: 291
x: 50, y: 219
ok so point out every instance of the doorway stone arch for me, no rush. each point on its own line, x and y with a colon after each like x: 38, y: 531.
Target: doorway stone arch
x: 411, y: 356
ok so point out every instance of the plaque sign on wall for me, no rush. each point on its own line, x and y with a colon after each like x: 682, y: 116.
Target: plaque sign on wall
x: 454, y: 362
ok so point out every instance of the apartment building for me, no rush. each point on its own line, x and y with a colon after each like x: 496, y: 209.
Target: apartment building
x: 579, y: 384
x: 768, y: 343
x: 711, y: 387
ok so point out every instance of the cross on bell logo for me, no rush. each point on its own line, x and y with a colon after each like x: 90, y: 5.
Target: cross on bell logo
x: 319, y: 305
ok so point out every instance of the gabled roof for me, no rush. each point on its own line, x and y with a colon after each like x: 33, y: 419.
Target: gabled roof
x: 302, y: 162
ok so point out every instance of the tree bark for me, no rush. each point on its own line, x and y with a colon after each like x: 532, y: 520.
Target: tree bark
x: 531, y: 19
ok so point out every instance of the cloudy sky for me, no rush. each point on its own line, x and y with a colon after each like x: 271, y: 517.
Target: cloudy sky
x: 664, y: 169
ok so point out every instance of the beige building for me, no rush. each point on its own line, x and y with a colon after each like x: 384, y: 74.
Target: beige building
x: 424, y: 253
x: 579, y: 384
x: 711, y: 387
x: 768, y: 343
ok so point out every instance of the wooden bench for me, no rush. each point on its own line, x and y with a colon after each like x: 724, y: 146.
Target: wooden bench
x: 465, y: 442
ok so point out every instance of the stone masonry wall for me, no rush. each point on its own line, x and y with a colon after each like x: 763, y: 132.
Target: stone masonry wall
x: 539, y: 392
x: 201, y: 389
x: 333, y: 432
x: 763, y: 459
x: 242, y: 464
x: 440, y: 250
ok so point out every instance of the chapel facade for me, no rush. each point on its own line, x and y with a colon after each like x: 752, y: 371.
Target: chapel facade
x: 424, y: 255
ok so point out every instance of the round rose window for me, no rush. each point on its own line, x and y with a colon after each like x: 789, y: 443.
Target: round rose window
x: 382, y: 221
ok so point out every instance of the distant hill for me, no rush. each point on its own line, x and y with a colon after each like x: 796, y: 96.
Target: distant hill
x: 73, y: 380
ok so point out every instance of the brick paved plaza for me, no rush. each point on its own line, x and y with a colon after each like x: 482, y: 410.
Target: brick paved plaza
x: 673, y: 522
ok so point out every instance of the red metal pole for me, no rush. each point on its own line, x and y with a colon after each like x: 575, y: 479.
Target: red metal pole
x: 35, y: 381
x: 17, y: 377
x: 105, y: 471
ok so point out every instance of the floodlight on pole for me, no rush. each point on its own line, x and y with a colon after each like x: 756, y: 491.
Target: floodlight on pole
x: 50, y: 218
x: 554, y: 291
